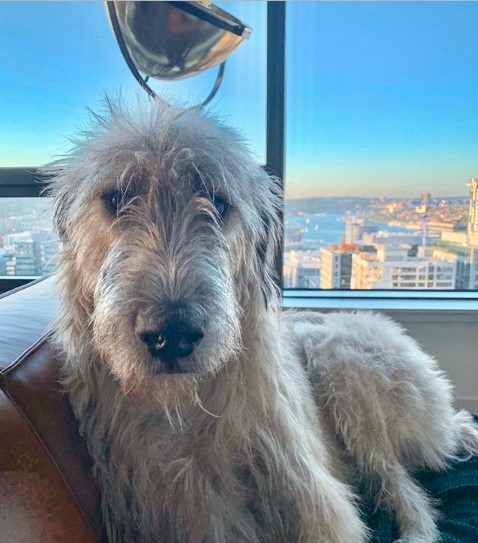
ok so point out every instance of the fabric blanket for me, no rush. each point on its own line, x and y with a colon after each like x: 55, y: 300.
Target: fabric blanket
x: 457, y: 493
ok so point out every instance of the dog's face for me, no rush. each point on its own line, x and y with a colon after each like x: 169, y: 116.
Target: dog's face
x: 169, y: 229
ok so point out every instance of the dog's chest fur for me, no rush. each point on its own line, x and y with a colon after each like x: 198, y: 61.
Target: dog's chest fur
x: 176, y: 479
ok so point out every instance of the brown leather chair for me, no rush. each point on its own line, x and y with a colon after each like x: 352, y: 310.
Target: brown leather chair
x: 46, y: 491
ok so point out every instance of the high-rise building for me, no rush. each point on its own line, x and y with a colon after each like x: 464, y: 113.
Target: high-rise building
x: 31, y: 255
x: 49, y: 249
x: 426, y: 198
x: 27, y: 258
x: 353, y: 230
x: 463, y: 267
x: 3, y: 262
x: 473, y: 212
x: 472, y: 240
x: 308, y: 274
x: 356, y: 228
x: 473, y: 282
x: 398, y: 268
x: 335, y: 268
x: 293, y: 232
x: 289, y: 269
x: 301, y: 269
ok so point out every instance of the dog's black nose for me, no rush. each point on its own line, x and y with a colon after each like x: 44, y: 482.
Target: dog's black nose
x: 175, y: 339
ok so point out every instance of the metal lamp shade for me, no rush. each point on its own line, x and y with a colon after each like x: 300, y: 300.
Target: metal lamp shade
x: 175, y: 40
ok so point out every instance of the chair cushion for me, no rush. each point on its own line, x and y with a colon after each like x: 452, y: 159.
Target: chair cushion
x: 46, y: 491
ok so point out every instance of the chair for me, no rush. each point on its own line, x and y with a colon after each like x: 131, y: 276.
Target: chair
x: 46, y: 490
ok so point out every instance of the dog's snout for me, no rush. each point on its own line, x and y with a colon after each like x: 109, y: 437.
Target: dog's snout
x: 174, y: 339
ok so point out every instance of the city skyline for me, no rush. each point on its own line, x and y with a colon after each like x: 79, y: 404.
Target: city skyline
x: 402, y: 244
x: 415, y: 196
x: 367, y: 243
x: 381, y: 96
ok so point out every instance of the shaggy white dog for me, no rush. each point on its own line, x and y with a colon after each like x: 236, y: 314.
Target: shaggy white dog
x: 210, y: 416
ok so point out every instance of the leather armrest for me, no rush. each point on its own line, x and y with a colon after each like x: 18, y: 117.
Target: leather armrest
x: 46, y: 491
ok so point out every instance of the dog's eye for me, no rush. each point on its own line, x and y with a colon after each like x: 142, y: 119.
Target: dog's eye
x: 222, y: 207
x: 114, y: 201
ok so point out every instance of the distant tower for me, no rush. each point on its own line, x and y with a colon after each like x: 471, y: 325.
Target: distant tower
x: 426, y: 198
x: 473, y: 213
x: 473, y: 233
x: 353, y: 230
x: 424, y: 220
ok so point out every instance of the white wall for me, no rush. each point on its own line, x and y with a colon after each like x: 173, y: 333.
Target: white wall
x: 450, y: 335
x: 452, y: 338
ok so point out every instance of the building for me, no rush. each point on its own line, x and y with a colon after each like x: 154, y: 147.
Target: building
x: 473, y: 212
x: 356, y: 228
x: 398, y: 268
x: 443, y: 226
x: 27, y: 258
x: 462, y: 279
x: 455, y: 238
x: 49, y: 249
x: 308, y: 273
x: 394, y: 238
x: 335, y: 268
x: 31, y: 254
x: 3, y: 262
x: 301, y: 269
x: 473, y: 281
x: 293, y: 232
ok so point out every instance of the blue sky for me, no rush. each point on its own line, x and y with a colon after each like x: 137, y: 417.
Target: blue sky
x: 58, y: 58
x: 382, y: 97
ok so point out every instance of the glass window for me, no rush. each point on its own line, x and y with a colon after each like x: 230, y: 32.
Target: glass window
x: 58, y: 58
x: 382, y: 141
x: 27, y: 246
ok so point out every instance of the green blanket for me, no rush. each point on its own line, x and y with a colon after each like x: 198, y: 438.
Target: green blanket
x: 457, y: 493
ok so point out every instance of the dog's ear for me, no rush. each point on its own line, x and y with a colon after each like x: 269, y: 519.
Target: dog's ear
x: 271, y: 234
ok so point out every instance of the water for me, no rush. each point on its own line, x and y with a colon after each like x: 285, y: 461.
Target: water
x: 325, y: 229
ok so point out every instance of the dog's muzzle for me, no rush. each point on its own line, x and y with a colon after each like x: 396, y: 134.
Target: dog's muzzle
x: 175, y: 338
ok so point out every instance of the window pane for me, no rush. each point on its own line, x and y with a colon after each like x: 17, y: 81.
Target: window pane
x: 382, y: 141
x: 57, y: 58
x: 28, y: 248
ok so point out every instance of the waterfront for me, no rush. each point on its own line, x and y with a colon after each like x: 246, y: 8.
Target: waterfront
x: 325, y: 229
x: 424, y: 243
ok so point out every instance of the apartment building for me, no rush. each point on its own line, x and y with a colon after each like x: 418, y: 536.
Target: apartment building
x: 301, y: 269
x: 31, y: 255
x: 398, y: 268
x: 356, y: 228
x: 335, y: 268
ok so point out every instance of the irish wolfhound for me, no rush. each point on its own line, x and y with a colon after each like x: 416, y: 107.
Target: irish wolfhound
x: 208, y: 415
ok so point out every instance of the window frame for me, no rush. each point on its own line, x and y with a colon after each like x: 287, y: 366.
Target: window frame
x: 17, y: 182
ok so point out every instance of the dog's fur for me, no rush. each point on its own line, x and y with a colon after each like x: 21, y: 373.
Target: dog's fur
x: 255, y: 436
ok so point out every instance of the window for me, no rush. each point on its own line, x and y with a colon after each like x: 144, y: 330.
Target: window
x: 57, y: 59
x: 382, y: 141
x: 374, y: 176
x: 28, y: 248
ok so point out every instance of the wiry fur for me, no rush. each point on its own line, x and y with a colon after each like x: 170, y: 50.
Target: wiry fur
x: 389, y: 405
x: 234, y: 448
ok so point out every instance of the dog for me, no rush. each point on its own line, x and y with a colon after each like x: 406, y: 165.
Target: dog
x: 211, y: 416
